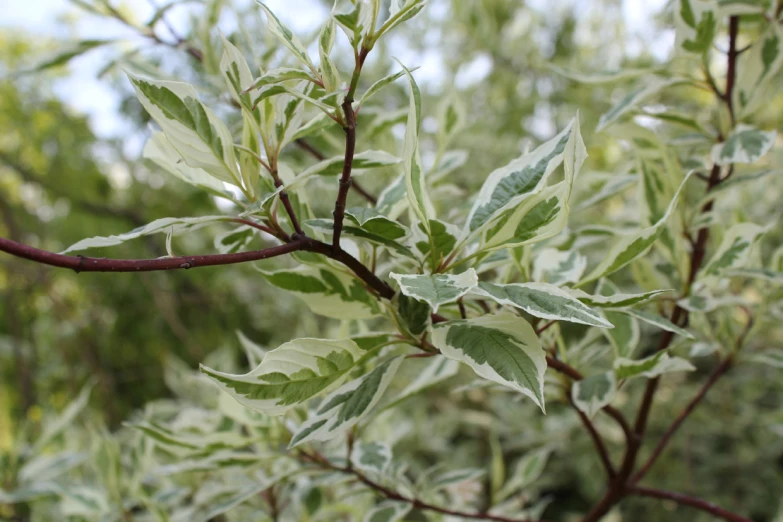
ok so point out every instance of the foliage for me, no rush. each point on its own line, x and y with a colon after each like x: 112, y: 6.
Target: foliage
x: 469, y: 364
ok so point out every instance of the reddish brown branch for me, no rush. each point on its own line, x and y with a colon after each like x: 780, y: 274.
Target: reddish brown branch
x: 687, y: 500
x: 716, y: 374
x: 598, y: 442
x: 320, y: 156
x: 345, y: 177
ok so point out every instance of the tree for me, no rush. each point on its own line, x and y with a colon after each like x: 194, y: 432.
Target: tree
x: 435, y: 285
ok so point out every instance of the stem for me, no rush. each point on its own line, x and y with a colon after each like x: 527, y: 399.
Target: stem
x: 393, y: 495
x: 320, y: 156
x: 603, y: 453
x: 687, y: 500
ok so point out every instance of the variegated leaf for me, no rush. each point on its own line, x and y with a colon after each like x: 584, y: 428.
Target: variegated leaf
x: 558, y: 267
x: 437, y: 289
x: 594, y: 392
x: 745, y: 144
x: 416, y: 189
x: 695, y: 23
x: 650, y: 367
x: 756, y: 69
x: 501, y: 348
x: 645, y: 90
x: 734, y: 250
x: 342, y: 409
x: 290, y: 374
x: 542, y: 300
x: 195, y: 132
x: 287, y: 38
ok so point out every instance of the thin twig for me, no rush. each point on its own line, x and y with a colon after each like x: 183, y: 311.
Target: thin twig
x: 687, y: 500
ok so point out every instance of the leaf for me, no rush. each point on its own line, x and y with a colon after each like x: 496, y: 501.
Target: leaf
x: 195, y: 132
x: 387, y: 511
x: 164, y: 155
x: 158, y: 226
x: 616, y: 300
x: 763, y: 274
x: 542, y: 300
x: 329, y: 72
x: 625, y: 335
x: 501, y: 348
x: 632, y: 245
x: 416, y: 189
x: 527, y: 470
x: 380, y: 84
x: 695, y: 24
x: 771, y: 358
x: 745, y: 144
x: 327, y: 292
x: 279, y: 75
x: 372, y: 457
x: 276, y: 89
x: 558, y: 267
x: 414, y: 315
x: 757, y: 69
x: 369, y: 159
x: 358, y: 22
x: 592, y: 393
x: 633, y: 98
x: 435, y: 242
x: 399, y: 11
x: 63, y: 56
x: 392, y: 201
x: 540, y: 216
x: 437, y: 370
x: 343, y: 408
x: 376, y: 223
x: 660, y: 322
x: 290, y: 374
x: 734, y: 250
x: 327, y: 226
x: 201, y: 444
x: 650, y: 367
x: 457, y: 476
x: 614, y: 184
x: 237, y: 75
x: 437, y: 289
x: 218, y: 507
x: 63, y: 421
x: 524, y: 175
x: 599, y: 77
x: 287, y: 38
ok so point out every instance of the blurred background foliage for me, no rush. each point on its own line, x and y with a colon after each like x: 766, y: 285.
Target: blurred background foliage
x: 59, y: 183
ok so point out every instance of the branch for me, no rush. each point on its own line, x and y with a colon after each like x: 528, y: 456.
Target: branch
x: 603, y: 453
x: 320, y: 156
x: 350, y: 149
x: 393, y: 495
x: 716, y: 374
x: 687, y: 500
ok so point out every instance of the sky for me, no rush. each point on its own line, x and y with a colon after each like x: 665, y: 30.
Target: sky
x: 86, y: 94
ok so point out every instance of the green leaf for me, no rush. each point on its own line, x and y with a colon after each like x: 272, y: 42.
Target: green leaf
x: 327, y: 292
x: 734, y: 250
x: 435, y: 242
x: 768, y: 276
x: 343, y: 408
x: 592, y: 393
x: 632, y: 245
x: 279, y: 75
x: 650, y: 367
x: 616, y: 300
x: 416, y: 189
x: 195, y: 132
x: 376, y: 223
x: 387, y: 511
x: 392, y: 201
x: 380, y: 84
x: 290, y: 374
x: 660, y: 322
x: 625, y: 335
x: 400, y: 11
x: 414, y: 315
x: 633, y: 98
x: 527, y: 470
x: 599, y: 77
x: 63, y: 421
x: 695, y: 24
x: 327, y: 226
x: 193, y: 444
x: 437, y: 289
x: 745, y: 144
x: 757, y: 69
x: 287, y: 38
x: 542, y: 300
x: 237, y: 75
x: 369, y: 159
x: 505, y: 186
x: 329, y: 72
x: 70, y: 52
x: 558, y: 267
x: 158, y: 226
x: 501, y: 348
